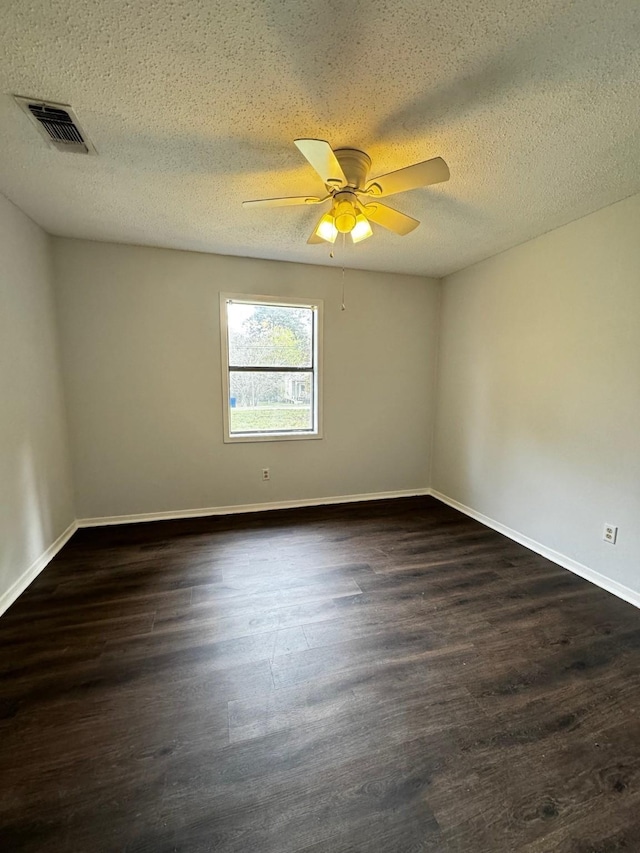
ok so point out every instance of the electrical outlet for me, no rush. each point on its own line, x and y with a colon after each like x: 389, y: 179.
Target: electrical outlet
x: 610, y: 533
x: 265, y: 474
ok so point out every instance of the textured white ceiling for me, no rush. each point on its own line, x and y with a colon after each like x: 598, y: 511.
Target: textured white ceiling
x: 193, y: 106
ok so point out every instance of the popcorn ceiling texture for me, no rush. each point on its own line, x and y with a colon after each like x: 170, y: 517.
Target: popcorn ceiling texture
x: 193, y: 106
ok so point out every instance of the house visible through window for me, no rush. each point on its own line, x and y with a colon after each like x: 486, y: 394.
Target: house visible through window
x: 270, y: 350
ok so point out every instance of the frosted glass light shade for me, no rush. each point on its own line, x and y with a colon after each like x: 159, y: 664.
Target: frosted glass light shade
x: 361, y: 230
x: 345, y: 216
x: 326, y: 229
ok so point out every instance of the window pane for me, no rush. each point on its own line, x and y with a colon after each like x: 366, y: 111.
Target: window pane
x: 270, y: 402
x: 269, y: 335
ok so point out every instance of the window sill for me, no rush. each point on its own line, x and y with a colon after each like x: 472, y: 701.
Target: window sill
x: 272, y: 436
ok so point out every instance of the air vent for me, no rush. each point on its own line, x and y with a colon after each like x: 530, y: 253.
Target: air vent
x: 58, y: 124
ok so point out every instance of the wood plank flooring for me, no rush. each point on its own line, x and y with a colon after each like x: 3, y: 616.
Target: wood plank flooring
x: 388, y: 677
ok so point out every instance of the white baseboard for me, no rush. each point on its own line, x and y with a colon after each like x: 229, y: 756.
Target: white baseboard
x: 240, y: 508
x: 18, y: 587
x: 618, y: 589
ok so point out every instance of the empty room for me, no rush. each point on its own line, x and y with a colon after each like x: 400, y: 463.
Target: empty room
x: 320, y: 426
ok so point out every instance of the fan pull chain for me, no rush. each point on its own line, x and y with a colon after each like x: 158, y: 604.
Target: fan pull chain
x: 344, y: 239
x: 343, y: 307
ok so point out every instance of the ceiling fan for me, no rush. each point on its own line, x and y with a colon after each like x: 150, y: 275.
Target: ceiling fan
x: 354, y: 197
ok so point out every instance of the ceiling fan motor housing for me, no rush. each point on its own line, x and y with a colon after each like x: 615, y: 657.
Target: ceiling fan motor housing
x: 355, y: 165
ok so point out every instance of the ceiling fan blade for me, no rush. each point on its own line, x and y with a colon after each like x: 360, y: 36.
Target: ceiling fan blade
x: 321, y: 156
x: 389, y: 218
x: 410, y: 178
x: 283, y: 202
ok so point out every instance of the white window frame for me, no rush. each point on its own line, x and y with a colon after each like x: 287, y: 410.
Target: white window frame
x: 317, y: 306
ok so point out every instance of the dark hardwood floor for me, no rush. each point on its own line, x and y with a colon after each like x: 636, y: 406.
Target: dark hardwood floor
x: 388, y: 677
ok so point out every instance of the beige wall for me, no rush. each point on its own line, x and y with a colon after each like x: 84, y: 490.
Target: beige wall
x: 141, y: 356
x: 538, y: 403
x: 36, y: 495
x: 538, y: 421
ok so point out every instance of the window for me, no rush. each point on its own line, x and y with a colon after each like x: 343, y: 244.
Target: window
x: 271, y: 367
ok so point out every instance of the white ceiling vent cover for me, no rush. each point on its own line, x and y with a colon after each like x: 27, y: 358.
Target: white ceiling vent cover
x: 58, y: 124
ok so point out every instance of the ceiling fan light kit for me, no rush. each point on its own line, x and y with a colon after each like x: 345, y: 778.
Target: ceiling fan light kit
x: 345, y: 217
x: 344, y: 173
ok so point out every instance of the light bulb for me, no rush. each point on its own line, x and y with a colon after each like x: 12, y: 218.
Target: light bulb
x: 361, y: 230
x: 326, y: 229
